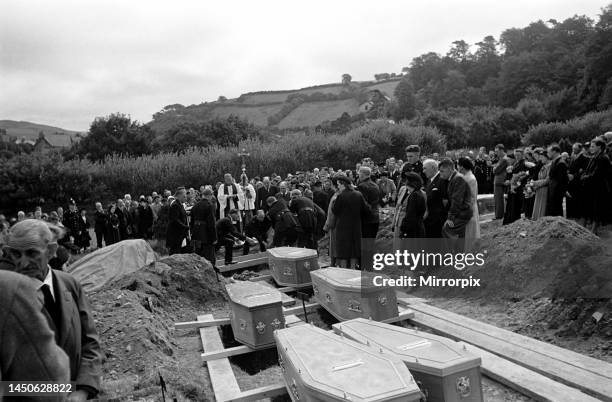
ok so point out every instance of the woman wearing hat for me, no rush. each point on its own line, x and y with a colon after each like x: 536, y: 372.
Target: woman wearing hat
x: 410, y: 209
x: 350, y: 206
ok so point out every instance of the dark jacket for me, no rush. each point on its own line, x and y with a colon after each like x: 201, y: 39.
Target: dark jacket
x: 28, y: 350
x: 557, y: 186
x: 177, y: 225
x: 437, y: 212
x: 77, y: 334
x: 349, y: 208
x: 499, y: 172
x: 460, y: 200
x: 372, y: 195
x: 321, y: 198
x: 282, y: 219
x: 145, y: 219
x: 306, y: 214
x: 203, y: 222
x: 101, y: 220
x: 412, y: 225
x: 226, y: 229
x: 262, y: 196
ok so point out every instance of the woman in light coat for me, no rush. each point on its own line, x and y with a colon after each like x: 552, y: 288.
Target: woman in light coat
x: 540, y: 186
x: 472, y: 229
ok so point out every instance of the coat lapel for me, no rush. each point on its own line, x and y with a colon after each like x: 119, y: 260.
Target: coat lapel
x: 66, y: 306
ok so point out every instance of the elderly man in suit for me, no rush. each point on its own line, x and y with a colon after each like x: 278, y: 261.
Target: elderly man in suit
x: 437, y: 200
x: 30, y: 246
x: 499, y: 180
x: 557, y: 182
x: 459, y: 207
x: 28, y: 351
x: 178, y: 229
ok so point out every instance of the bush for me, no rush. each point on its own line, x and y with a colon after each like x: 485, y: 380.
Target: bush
x: 579, y: 129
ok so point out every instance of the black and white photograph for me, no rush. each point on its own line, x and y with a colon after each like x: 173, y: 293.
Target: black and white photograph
x: 393, y: 201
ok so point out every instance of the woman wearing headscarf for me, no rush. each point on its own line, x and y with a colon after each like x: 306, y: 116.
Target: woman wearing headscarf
x: 113, y: 225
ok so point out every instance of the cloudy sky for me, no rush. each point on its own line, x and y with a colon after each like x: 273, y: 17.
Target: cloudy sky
x: 65, y: 62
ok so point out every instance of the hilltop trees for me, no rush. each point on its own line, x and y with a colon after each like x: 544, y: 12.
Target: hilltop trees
x: 346, y: 79
x: 116, y: 133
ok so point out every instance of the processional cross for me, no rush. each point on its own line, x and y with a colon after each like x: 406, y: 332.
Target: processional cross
x: 242, y: 155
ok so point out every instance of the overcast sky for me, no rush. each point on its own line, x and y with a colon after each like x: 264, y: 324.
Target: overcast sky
x: 65, y: 62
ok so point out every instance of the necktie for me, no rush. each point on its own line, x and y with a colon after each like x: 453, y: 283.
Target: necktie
x: 51, y: 306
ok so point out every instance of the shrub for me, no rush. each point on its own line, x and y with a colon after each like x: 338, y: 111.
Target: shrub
x: 580, y: 129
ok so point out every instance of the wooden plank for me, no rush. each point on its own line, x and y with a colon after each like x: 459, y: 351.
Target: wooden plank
x: 293, y: 320
x: 404, y: 314
x: 261, y: 278
x: 218, y: 354
x: 256, y: 394
x: 578, y: 360
x: 244, y: 261
x: 213, y: 322
x: 525, y: 381
x: 592, y: 384
x: 221, y: 374
x: 299, y: 310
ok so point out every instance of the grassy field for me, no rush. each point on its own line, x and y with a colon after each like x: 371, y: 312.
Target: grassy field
x: 386, y: 88
x: 310, y: 114
x: 25, y: 129
x: 257, y: 115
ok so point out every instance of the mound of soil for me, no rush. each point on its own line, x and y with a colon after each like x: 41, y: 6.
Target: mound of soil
x: 551, y: 257
x: 135, y: 318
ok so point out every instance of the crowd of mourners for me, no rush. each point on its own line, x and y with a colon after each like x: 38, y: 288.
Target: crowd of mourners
x: 48, y: 326
x: 299, y: 209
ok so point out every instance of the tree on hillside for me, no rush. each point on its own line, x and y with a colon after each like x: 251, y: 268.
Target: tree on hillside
x: 221, y: 98
x: 346, y: 79
x: 596, y: 83
x: 116, y: 133
x: 404, y: 107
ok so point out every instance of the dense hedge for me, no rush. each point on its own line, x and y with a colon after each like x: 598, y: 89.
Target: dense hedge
x: 49, y: 180
x: 580, y: 129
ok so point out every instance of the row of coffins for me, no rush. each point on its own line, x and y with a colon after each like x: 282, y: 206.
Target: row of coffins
x: 365, y: 360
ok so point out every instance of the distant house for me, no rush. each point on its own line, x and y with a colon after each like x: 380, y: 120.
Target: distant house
x: 375, y: 99
x: 24, y: 141
x: 55, y: 141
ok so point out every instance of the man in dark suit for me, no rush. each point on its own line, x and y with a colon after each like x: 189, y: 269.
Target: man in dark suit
x: 267, y: 190
x: 283, y: 222
x: 371, y: 193
x: 28, y: 351
x: 557, y: 182
x: 320, y: 197
x: 202, y: 224
x: 29, y: 248
x: 227, y: 234
x: 178, y: 229
x: 304, y: 209
x: 499, y: 180
x: 459, y: 205
x: 437, y: 199
x: 101, y: 222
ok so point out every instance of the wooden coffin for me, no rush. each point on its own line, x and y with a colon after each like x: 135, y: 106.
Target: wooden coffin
x: 320, y: 366
x: 256, y: 311
x: 445, y: 371
x: 347, y: 295
x: 291, y: 266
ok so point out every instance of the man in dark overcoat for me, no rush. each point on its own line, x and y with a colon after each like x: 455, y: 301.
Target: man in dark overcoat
x: 349, y: 209
x: 459, y: 207
x: 203, y: 226
x: 178, y: 229
x: 557, y: 182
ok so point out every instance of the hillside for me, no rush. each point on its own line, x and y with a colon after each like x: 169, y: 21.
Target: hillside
x: 305, y: 107
x: 24, y: 129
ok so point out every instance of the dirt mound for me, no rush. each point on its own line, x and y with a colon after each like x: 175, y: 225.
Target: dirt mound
x: 550, y: 257
x: 135, y: 318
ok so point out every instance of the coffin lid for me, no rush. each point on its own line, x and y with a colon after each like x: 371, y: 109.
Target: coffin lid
x: 252, y: 294
x: 350, y: 279
x: 292, y: 253
x: 420, y: 351
x: 335, y: 366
